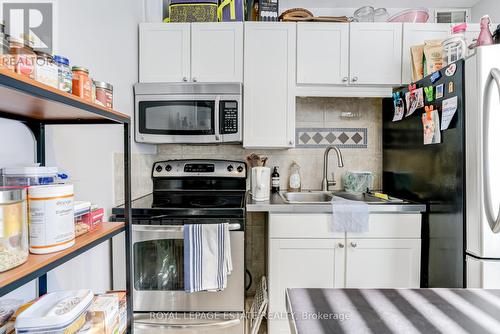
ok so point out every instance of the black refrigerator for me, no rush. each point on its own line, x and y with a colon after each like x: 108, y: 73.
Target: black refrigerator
x: 431, y: 174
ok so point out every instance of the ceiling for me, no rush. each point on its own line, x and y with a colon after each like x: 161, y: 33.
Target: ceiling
x: 379, y: 3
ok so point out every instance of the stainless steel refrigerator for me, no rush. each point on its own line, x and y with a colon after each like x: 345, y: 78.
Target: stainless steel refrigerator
x: 458, y: 179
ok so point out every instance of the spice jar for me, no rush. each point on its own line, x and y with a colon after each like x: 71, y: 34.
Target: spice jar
x: 103, y: 94
x: 23, y: 56
x: 65, y: 76
x: 46, y: 69
x: 82, y: 84
x: 13, y: 228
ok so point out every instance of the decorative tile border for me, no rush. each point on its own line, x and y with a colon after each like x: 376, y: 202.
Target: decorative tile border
x: 322, y: 137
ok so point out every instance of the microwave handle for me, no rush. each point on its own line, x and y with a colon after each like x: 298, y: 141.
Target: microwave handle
x: 172, y: 228
x: 217, y: 119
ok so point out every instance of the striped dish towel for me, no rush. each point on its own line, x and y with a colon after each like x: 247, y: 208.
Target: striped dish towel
x: 207, y: 257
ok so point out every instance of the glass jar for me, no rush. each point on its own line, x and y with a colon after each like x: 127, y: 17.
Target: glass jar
x: 46, y: 69
x: 23, y: 57
x: 82, y: 84
x: 65, y: 75
x: 13, y: 228
x: 103, y: 94
x: 5, y: 58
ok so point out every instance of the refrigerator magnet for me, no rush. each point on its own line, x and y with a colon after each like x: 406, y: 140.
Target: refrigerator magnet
x: 451, y: 87
x: 430, y: 122
x: 450, y: 70
x: 414, y: 100
x: 399, y: 108
x: 435, y: 76
x: 429, y: 93
x: 439, y: 91
x: 449, y: 109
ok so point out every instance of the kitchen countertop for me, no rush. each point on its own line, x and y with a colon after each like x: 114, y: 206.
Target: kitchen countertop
x: 330, y: 311
x: 276, y: 204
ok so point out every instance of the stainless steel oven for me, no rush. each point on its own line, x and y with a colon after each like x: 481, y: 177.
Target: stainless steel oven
x: 186, y: 192
x: 188, y: 112
x: 158, y: 270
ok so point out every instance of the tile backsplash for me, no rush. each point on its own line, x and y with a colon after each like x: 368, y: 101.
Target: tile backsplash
x: 356, y: 124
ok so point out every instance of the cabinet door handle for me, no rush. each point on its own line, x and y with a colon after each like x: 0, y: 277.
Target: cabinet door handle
x: 184, y: 79
x: 354, y: 79
x: 290, y: 142
x: 354, y: 245
x: 345, y: 79
x: 341, y: 245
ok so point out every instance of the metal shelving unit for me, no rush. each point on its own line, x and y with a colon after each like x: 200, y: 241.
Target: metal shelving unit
x: 37, y: 105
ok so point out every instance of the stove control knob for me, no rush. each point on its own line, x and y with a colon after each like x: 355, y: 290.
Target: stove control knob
x: 230, y: 168
x: 239, y: 169
x: 168, y: 168
x: 159, y: 168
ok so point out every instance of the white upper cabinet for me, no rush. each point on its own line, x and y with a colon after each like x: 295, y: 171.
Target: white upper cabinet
x: 217, y: 52
x: 322, y: 53
x: 164, y: 52
x: 416, y: 34
x: 177, y: 52
x: 269, y: 82
x: 375, y: 53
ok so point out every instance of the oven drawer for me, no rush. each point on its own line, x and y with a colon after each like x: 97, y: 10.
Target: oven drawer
x: 189, y: 323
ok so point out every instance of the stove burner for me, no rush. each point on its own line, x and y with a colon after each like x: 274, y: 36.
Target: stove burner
x: 208, y: 202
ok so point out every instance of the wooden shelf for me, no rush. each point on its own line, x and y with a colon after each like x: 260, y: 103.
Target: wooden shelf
x: 22, y: 98
x: 38, y: 265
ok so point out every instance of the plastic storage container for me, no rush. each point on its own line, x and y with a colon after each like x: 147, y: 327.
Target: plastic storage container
x: 13, y: 228
x: 51, y: 218
x: 30, y: 176
x: 417, y: 15
x: 62, y: 312
x: 455, y: 46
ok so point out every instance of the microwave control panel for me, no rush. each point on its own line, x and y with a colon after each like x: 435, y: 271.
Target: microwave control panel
x: 228, y: 117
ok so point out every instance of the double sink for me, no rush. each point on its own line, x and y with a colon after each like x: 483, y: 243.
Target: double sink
x: 321, y: 197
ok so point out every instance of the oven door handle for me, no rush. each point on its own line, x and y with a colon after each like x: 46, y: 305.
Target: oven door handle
x: 221, y: 324
x: 173, y: 228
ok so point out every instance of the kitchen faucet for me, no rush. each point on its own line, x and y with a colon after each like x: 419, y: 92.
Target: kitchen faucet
x: 325, y: 184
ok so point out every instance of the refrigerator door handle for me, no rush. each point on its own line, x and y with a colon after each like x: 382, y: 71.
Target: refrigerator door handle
x: 494, y: 222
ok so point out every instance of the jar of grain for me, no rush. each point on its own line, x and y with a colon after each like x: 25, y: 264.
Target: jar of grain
x: 23, y: 56
x: 82, y: 84
x: 13, y: 228
x: 103, y: 94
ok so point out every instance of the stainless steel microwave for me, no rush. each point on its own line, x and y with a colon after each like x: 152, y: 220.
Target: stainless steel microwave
x: 188, y: 112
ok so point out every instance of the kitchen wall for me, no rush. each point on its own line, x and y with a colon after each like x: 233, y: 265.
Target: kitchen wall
x: 314, y: 115
x: 489, y: 7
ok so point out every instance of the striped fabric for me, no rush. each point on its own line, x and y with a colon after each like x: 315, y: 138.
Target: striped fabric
x: 207, y: 257
x: 380, y: 311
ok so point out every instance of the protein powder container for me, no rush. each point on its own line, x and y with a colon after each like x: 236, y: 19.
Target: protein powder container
x: 51, y: 218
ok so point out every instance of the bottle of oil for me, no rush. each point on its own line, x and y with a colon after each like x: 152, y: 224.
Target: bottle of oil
x: 275, y: 180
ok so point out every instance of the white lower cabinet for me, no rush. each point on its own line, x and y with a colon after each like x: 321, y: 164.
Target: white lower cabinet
x: 382, y: 263
x: 305, y: 253
x: 293, y: 263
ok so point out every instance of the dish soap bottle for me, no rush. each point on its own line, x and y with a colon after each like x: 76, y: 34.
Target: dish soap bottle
x: 485, y: 37
x: 275, y: 180
x: 294, y: 179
